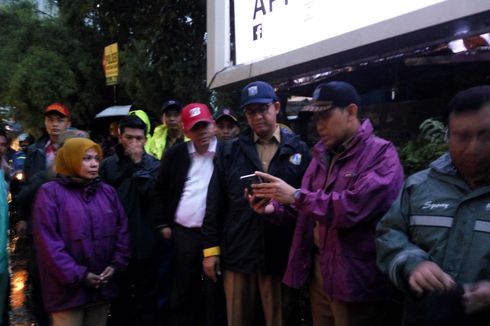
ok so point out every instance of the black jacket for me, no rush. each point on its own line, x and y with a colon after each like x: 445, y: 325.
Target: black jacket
x: 250, y: 242
x: 133, y: 183
x: 170, y: 184
x: 35, y: 174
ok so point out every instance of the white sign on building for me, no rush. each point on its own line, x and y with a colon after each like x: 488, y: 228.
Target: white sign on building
x: 265, y: 28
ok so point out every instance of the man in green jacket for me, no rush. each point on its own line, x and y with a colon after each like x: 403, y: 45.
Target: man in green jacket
x: 434, y: 242
x: 169, y: 133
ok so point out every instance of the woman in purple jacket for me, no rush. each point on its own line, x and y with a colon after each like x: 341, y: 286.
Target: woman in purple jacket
x: 81, y: 237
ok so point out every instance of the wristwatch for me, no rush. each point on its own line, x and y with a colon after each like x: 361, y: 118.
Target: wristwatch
x: 297, y: 194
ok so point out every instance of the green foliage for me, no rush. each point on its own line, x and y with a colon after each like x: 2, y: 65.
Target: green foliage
x: 58, y: 59
x: 163, y: 50
x: 430, y: 144
x: 43, y: 62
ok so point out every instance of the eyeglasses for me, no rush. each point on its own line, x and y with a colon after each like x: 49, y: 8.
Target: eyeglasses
x: 261, y: 110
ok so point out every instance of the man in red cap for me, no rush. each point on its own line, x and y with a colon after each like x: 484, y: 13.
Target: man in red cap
x: 38, y: 168
x: 178, y: 207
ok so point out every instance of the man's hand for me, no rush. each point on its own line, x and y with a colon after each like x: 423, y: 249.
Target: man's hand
x: 92, y: 280
x: 427, y: 276
x: 166, y: 233
x: 259, y: 205
x: 476, y: 297
x: 135, y: 152
x: 106, y: 275
x: 274, y: 188
x: 211, y: 267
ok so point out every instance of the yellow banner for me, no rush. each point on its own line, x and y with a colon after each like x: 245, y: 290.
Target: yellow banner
x: 110, y: 64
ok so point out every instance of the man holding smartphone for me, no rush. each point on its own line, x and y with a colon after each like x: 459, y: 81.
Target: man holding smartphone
x: 251, y: 250
x: 351, y: 182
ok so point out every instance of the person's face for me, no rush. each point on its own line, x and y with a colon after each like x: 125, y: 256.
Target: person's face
x: 4, y: 145
x: 262, y: 118
x: 114, y: 130
x: 132, y: 137
x: 201, y: 135
x: 335, y: 125
x: 90, y: 164
x: 469, y: 142
x: 226, y: 128
x: 171, y: 118
x: 55, y: 124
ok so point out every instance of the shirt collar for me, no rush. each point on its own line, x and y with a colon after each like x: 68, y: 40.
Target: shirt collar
x: 211, y: 147
x: 276, y: 136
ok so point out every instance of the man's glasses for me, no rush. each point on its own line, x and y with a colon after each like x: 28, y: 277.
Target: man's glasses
x: 261, y: 110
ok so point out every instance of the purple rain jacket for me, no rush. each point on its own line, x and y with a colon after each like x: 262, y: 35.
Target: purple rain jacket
x: 365, y: 180
x: 77, y: 229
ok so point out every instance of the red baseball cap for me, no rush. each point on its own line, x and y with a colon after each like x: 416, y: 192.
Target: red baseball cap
x: 194, y: 113
x: 57, y: 108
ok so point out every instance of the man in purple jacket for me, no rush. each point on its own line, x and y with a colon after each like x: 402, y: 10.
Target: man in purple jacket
x: 349, y: 185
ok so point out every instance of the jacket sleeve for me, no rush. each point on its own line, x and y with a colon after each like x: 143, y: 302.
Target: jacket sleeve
x: 50, y: 246
x: 397, y: 256
x: 120, y: 258
x: 160, y: 194
x: 287, y: 214
x: 144, y: 176
x: 215, y: 208
x: 369, y: 197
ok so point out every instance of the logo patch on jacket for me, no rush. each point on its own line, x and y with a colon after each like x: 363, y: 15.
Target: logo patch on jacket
x: 295, y: 159
x: 430, y: 205
x: 487, y: 207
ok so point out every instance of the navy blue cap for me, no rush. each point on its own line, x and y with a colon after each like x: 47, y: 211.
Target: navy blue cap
x: 332, y: 95
x: 171, y: 104
x: 257, y: 92
x: 225, y: 112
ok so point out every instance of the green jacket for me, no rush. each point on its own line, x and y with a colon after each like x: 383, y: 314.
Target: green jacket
x: 156, y: 143
x: 436, y: 217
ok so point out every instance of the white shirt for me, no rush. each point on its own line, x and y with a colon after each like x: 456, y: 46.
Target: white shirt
x: 192, y: 205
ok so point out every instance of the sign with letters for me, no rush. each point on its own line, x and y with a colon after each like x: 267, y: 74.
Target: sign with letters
x: 266, y: 28
x: 110, y: 64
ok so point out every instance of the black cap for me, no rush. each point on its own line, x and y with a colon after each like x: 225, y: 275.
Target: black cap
x: 332, y: 95
x: 257, y: 92
x: 172, y: 104
x: 225, y: 112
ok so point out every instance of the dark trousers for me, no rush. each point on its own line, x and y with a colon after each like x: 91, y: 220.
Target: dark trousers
x: 195, y: 300
x: 136, y: 304
x: 165, y: 250
x: 34, y: 297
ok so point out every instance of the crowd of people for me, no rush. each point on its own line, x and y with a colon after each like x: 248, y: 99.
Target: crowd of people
x: 201, y: 223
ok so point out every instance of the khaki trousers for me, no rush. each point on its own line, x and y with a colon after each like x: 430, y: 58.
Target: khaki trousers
x: 327, y: 312
x: 250, y: 298
x: 92, y: 315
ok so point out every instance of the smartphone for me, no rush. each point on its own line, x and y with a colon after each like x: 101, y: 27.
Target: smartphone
x: 248, y: 180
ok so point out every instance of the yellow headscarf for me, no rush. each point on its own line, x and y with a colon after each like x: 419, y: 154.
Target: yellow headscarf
x: 69, y: 158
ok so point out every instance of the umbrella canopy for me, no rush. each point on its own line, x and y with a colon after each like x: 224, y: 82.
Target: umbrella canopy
x: 114, y: 111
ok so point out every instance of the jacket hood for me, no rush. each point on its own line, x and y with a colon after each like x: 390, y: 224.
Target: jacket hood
x: 444, y: 164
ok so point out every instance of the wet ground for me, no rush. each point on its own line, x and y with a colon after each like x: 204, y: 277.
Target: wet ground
x: 19, y: 313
